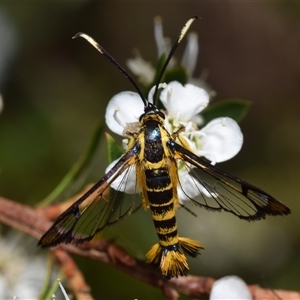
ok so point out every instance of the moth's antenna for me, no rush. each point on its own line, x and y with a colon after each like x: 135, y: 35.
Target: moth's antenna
x: 180, y: 37
x: 112, y: 60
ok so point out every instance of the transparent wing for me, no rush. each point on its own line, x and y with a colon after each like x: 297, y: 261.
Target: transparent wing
x: 218, y: 190
x: 97, y: 208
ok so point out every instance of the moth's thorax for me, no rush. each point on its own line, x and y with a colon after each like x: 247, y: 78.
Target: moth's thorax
x: 146, y: 120
x: 152, y: 118
x: 153, y: 137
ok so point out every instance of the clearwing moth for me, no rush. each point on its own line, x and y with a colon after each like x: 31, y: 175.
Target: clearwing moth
x: 155, y: 154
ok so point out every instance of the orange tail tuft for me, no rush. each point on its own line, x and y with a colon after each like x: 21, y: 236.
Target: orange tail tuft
x: 171, y: 260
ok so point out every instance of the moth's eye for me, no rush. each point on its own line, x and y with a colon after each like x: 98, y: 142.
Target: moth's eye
x: 141, y: 117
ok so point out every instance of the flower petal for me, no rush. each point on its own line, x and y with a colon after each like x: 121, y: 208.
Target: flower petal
x: 162, y: 44
x: 142, y: 69
x: 122, y: 109
x: 190, y: 55
x: 230, y: 287
x: 183, y: 102
x: 126, y: 181
x: 222, y: 140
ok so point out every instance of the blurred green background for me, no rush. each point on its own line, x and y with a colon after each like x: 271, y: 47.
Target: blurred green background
x: 55, y: 91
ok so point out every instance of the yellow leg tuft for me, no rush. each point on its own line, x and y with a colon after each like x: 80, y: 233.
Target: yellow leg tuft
x: 154, y: 255
x: 190, y: 247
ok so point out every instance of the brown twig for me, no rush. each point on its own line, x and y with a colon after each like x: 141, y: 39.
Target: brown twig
x: 73, y: 275
x: 33, y: 222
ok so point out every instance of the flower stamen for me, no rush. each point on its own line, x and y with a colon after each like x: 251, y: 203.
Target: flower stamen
x: 117, y: 118
x: 223, y: 122
x: 125, y: 144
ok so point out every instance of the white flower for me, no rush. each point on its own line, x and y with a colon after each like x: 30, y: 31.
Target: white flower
x: 219, y: 140
x: 183, y: 102
x: 123, y: 109
x: 145, y: 71
x: 230, y: 287
x: 21, y: 273
x: 190, y: 55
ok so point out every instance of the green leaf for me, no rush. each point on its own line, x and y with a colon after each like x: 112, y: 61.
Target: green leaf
x: 158, y: 68
x: 176, y: 74
x: 160, y: 63
x: 77, y: 168
x: 232, y: 108
x: 114, y: 150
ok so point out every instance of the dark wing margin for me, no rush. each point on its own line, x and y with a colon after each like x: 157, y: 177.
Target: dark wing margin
x: 227, y: 192
x: 91, y: 212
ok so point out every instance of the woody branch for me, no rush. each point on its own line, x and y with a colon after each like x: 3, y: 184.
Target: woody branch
x: 36, y: 221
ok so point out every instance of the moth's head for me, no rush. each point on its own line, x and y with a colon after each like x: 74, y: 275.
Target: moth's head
x: 152, y: 113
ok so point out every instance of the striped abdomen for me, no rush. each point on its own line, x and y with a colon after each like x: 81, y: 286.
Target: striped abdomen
x: 162, y: 204
x: 159, y: 186
x: 157, y: 176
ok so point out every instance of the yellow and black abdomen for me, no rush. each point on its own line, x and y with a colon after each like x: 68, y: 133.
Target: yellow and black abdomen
x: 161, y: 201
x: 160, y: 193
x: 159, y: 187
